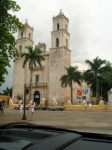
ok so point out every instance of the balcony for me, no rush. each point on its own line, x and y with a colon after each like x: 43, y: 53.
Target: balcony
x: 38, y: 84
x: 39, y: 68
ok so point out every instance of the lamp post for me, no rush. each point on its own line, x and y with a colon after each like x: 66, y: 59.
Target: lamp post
x: 101, y: 91
x: 26, y: 91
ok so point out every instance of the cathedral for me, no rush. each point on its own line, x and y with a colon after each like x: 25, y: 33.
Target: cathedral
x: 46, y: 79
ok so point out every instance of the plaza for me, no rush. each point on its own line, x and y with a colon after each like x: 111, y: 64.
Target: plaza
x: 85, y: 120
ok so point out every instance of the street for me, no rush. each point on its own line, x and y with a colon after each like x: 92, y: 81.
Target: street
x: 95, y: 121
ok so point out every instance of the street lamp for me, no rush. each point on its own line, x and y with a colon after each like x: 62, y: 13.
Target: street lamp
x: 26, y: 91
x: 101, y: 92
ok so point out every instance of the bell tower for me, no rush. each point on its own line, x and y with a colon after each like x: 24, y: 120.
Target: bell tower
x: 20, y: 74
x: 60, y: 34
x: 60, y: 56
x: 25, y: 38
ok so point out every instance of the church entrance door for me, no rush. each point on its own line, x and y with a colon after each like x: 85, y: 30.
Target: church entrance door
x: 37, y: 97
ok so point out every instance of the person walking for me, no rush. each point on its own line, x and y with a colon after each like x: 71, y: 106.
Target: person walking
x: 32, y: 107
x: 90, y: 106
x: 21, y: 108
x: 2, y: 107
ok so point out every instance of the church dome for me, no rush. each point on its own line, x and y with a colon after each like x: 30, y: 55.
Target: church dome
x: 81, y: 67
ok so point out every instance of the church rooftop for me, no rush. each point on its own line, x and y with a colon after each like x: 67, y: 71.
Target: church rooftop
x: 61, y: 14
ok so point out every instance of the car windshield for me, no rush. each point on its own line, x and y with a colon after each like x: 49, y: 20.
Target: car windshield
x: 55, y: 63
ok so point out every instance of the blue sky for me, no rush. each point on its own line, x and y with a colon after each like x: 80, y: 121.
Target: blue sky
x: 90, y: 26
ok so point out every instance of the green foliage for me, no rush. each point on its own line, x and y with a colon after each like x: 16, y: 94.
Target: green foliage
x: 98, y: 76
x: 33, y: 57
x: 73, y: 75
x: 8, y: 26
x: 19, y: 96
x: 7, y: 91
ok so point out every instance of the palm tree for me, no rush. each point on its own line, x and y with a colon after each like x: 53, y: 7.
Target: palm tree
x: 97, y: 69
x: 33, y: 57
x: 73, y: 75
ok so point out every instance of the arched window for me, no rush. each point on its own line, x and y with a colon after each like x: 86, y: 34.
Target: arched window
x: 57, y: 42
x: 37, y: 97
x: 29, y: 35
x: 66, y: 43
x: 21, y: 34
x: 57, y: 26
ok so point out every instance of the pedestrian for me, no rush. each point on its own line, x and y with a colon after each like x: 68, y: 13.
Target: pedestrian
x: 32, y: 107
x: 21, y: 108
x: 2, y: 107
x: 90, y: 106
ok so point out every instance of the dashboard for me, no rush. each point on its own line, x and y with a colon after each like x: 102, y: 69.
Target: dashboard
x: 25, y: 136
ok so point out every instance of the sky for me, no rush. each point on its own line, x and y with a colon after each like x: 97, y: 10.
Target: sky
x: 90, y: 25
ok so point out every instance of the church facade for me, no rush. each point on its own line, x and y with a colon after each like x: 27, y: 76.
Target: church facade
x: 46, y: 79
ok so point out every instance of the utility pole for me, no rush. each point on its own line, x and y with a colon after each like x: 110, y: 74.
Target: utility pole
x: 26, y: 91
x: 101, y: 91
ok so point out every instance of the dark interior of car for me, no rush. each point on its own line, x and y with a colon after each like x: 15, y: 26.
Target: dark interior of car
x: 25, y: 136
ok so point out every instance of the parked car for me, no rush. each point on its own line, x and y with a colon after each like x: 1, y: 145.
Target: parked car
x: 58, y: 107
x: 17, y: 107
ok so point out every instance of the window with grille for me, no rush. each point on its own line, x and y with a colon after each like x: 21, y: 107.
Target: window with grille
x: 36, y: 78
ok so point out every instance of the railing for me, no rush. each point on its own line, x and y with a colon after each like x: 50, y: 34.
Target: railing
x: 38, y: 67
x: 38, y: 84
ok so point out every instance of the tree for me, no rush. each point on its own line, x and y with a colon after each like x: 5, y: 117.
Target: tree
x: 34, y: 57
x: 98, y: 70
x: 73, y: 75
x: 8, y: 26
x: 19, y: 97
x: 7, y: 91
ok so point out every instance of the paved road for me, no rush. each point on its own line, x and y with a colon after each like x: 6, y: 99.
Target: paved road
x: 95, y: 121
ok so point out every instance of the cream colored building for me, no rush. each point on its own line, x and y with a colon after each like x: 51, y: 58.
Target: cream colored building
x: 46, y: 80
